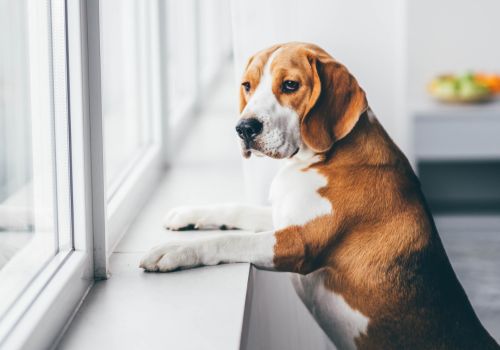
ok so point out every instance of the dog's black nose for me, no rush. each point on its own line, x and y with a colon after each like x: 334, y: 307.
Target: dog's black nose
x: 247, y: 129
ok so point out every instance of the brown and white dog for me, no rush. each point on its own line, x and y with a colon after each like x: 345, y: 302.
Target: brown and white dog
x: 348, y: 215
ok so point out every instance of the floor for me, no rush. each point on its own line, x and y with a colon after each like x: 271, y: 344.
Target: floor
x: 473, y: 246
x: 207, y: 170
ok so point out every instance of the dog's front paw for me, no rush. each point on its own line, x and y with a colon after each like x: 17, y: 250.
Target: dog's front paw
x: 169, y: 257
x: 189, y: 218
x: 184, y: 218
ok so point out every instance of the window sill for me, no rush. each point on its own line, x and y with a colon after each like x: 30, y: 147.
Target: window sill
x: 194, y: 309
x: 219, y: 307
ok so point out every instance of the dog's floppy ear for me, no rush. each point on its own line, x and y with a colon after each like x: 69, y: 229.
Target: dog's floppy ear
x: 336, y: 103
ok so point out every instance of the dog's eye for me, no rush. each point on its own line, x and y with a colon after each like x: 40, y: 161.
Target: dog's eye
x: 289, y: 86
x: 246, y: 86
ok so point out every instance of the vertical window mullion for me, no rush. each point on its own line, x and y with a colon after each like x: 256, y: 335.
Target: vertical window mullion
x: 163, y: 81
x: 62, y: 168
x: 96, y: 140
x: 142, y: 67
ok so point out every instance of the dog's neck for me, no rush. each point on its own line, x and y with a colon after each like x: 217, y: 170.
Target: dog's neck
x: 306, y: 155
x: 368, y: 144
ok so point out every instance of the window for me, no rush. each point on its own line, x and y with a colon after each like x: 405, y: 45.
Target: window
x: 182, y: 60
x: 215, y: 43
x: 29, y: 232
x: 44, y: 255
x: 126, y: 100
x: 130, y: 87
x: 196, y: 35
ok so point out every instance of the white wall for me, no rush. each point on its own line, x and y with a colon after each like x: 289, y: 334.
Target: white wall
x: 275, y: 318
x: 450, y: 36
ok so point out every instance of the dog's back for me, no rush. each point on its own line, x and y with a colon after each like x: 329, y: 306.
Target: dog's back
x: 387, y: 282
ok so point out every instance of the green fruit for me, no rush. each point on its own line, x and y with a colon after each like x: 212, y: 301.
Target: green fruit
x: 446, y: 88
x: 464, y: 78
x: 469, y: 89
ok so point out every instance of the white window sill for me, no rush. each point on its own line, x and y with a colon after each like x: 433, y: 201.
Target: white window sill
x: 219, y: 307
x: 193, y: 309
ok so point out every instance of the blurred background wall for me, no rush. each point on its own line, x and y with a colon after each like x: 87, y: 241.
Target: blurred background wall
x: 449, y: 36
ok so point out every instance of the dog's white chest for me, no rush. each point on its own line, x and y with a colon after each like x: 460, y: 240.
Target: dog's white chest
x: 340, y: 322
x: 294, y: 195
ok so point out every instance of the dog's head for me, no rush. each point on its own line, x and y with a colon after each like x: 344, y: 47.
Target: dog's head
x: 294, y: 96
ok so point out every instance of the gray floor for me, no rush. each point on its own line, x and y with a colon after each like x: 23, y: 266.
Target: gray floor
x: 134, y: 310
x: 473, y: 246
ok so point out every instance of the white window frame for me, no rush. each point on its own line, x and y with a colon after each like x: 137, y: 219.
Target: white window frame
x: 52, y: 297
x: 129, y: 193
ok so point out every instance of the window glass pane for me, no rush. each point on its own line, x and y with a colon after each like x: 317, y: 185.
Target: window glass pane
x: 215, y: 37
x: 125, y: 91
x: 181, y: 60
x: 28, y: 237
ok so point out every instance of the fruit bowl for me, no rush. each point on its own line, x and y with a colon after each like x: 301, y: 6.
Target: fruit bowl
x: 465, y: 88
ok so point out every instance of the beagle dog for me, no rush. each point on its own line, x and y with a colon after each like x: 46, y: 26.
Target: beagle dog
x: 348, y: 215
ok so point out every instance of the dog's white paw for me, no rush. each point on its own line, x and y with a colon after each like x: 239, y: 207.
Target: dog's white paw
x: 184, y: 218
x: 169, y: 257
x: 194, y: 218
